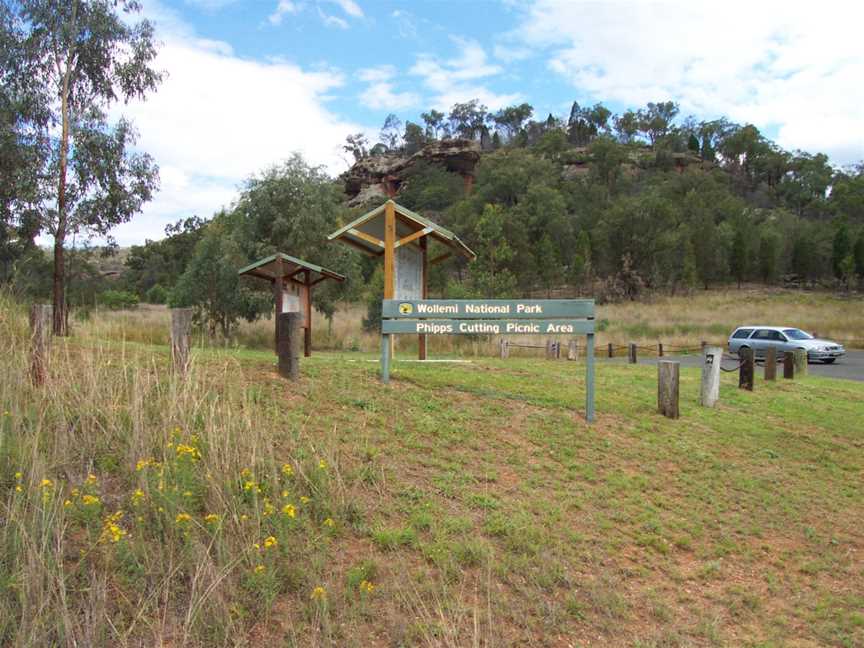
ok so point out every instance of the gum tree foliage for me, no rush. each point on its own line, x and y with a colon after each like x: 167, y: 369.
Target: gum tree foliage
x: 82, y: 56
x: 160, y: 263
x: 357, y: 145
x: 391, y: 132
x: 435, y: 126
x: 467, y: 119
x: 510, y: 121
x: 211, y: 285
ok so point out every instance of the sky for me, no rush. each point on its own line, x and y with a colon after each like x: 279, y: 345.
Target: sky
x: 249, y: 82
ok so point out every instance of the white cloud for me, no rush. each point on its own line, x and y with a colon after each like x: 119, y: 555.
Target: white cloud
x: 379, y: 94
x: 218, y: 118
x: 284, y: 8
x: 350, y: 7
x: 457, y: 80
x: 795, y: 66
x: 332, y: 21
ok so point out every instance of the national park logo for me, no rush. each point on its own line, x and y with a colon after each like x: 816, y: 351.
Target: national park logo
x: 405, y: 308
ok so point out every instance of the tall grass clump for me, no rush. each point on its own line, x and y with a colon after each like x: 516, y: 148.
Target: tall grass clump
x: 139, y: 508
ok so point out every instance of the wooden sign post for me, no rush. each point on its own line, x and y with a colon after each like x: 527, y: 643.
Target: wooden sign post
x: 404, y: 239
x: 491, y: 317
x: 292, y: 280
x: 667, y: 388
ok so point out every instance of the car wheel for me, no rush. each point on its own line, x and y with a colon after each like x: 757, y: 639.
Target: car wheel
x: 829, y: 360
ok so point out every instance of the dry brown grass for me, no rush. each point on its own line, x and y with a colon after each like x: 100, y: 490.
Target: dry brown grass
x: 678, y: 321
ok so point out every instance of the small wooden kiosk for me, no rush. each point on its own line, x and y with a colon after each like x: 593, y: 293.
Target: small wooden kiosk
x: 402, y: 237
x: 292, y: 281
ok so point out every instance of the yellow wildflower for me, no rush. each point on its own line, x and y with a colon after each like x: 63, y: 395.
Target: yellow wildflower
x: 329, y: 522
x: 137, y: 496
x: 67, y: 503
x: 143, y: 463
x: 244, y: 517
x: 211, y: 518
x: 259, y: 569
x: 322, y: 464
x: 245, y: 473
x: 287, y: 470
x: 18, y: 488
x: 289, y: 510
x: 7, y: 413
x: 75, y: 492
x: 318, y: 594
x: 304, y: 499
x: 184, y: 450
x: 111, y: 531
x: 19, y: 475
x: 87, y: 500
x: 256, y: 546
x: 250, y: 485
x: 269, y: 542
x: 366, y: 586
x: 91, y: 479
x: 284, y: 493
x: 268, y: 508
x: 182, y: 518
x: 187, y: 493
x: 47, y: 483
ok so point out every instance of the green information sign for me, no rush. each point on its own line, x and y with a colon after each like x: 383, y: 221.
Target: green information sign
x: 492, y: 317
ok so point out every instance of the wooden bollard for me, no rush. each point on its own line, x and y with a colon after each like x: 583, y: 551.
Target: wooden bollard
x: 745, y: 373
x: 289, y: 340
x: 504, y: 348
x: 788, y: 365
x: 611, y: 350
x: 667, y: 388
x: 709, y: 392
x: 770, y: 363
x: 631, y: 353
x: 551, y: 350
x: 572, y: 350
x: 659, y: 349
x: 800, y: 356
x: 181, y: 325
x: 702, y: 345
x: 40, y: 341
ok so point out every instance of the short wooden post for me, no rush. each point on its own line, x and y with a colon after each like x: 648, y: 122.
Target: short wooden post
x: 289, y: 344
x: 572, y: 350
x: 659, y: 349
x: 504, y: 347
x: 631, y: 353
x: 788, y: 365
x: 702, y: 345
x: 40, y: 341
x: 800, y: 356
x: 709, y: 393
x: 550, y: 350
x: 385, y: 358
x: 745, y: 373
x: 770, y: 363
x: 667, y: 388
x: 589, y: 377
x: 611, y: 350
x: 181, y: 325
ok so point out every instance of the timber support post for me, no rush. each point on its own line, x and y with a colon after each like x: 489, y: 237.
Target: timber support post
x: 667, y: 388
x: 40, y: 341
x: 659, y: 349
x: 631, y: 353
x: 504, y: 348
x: 770, y: 363
x: 709, y: 392
x: 181, y: 326
x: 572, y: 350
x: 611, y: 350
x: 289, y: 344
x: 746, y: 370
x: 788, y: 365
x: 800, y: 362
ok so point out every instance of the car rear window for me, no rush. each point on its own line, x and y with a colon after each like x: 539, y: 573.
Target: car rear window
x: 742, y: 333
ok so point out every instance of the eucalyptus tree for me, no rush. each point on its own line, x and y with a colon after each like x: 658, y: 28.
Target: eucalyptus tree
x: 84, y: 56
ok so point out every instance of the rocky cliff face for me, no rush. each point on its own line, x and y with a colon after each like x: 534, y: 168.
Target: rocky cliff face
x: 380, y: 176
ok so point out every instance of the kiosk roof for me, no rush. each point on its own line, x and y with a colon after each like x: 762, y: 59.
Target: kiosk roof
x: 267, y: 268
x: 367, y: 232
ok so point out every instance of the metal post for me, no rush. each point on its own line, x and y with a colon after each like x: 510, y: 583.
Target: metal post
x: 589, y: 378
x: 385, y: 358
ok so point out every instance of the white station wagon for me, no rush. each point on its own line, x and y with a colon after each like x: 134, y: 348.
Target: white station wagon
x: 784, y: 338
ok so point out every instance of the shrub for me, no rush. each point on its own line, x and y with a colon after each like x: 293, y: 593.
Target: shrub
x: 118, y: 299
x: 156, y: 295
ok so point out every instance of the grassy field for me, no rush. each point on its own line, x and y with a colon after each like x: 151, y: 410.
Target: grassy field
x: 465, y: 505
x: 675, y: 321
